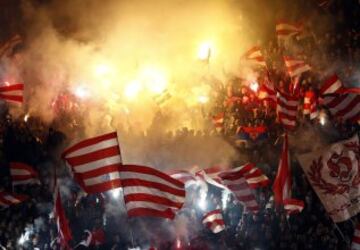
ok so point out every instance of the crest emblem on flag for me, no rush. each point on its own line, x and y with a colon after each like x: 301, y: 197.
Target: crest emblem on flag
x: 343, y: 167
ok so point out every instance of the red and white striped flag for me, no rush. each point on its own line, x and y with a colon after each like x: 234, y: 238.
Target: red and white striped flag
x: 283, y: 182
x: 344, y: 106
x: 6, y: 48
x: 293, y: 206
x: 214, y: 221
x: 218, y: 121
x: 235, y: 181
x: 267, y: 92
x: 12, y: 93
x: 149, y: 192
x: 212, y: 173
x: 295, y: 67
x: 331, y: 85
x: 22, y: 173
x: 183, y: 176
x: 64, y: 232
x: 285, y: 29
x: 8, y: 199
x: 355, y: 245
x: 256, y: 178
x: 95, y: 163
x: 255, y: 56
x: 310, y: 104
x: 287, y: 107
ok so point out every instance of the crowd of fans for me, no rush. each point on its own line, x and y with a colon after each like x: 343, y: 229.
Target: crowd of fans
x: 30, y: 225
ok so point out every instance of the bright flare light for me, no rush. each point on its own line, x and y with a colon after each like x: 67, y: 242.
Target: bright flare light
x: 81, y: 92
x: 102, y: 69
x: 26, y: 117
x: 254, y: 86
x: 154, y: 80
x: 203, y: 99
x: 322, y: 118
x: 132, y: 89
x: 205, y: 50
x: 115, y: 193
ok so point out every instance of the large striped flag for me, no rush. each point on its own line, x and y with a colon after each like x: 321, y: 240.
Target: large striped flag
x: 331, y: 85
x: 8, y: 199
x: 287, y: 107
x: 282, y: 183
x: 22, y: 173
x: 285, y: 29
x: 267, y: 92
x: 293, y: 206
x: 255, y: 56
x: 345, y: 107
x: 149, y: 192
x: 295, y: 67
x: 64, y: 232
x: 95, y: 163
x: 183, y: 176
x: 7, y: 47
x: 214, y: 221
x: 235, y: 181
x: 355, y: 245
x: 256, y: 178
x: 310, y: 104
x: 12, y: 93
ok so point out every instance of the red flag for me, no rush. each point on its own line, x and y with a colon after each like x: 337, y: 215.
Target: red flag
x: 95, y: 163
x: 183, y: 176
x: 64, y: 232
x: 282, y: 183
x: 293, y: 206
x: 22, y: 173
x: 267, y: 92
x: 149, y: 192
x: 331, y: 86
x: 214, y: 221
x: 310, y: 104
x: 8, y: 199
x: 344, y: 106
x: 285, y: 29
x: 295, y: 67
x: 12, y: 93
x: 255, y: 56
x: 287, y: 107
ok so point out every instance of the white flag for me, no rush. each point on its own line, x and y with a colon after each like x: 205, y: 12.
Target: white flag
x: 334, y: 175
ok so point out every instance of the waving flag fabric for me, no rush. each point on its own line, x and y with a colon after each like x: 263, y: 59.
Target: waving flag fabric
x: 257, y: 133
x: 214, y: 221
x: 7, y: 47
x: 282, y: 182
x: 331, y: 85
x: 285, y: 29
x: 295, y: 67
x: 293, y: 206
x: 183, y: 176
x: 149, y: 192
x: 8, y: 199
x: 12, y: 93
x: 333, y: 172
x: 64, y: 232
x: 95, y: 163
x: 310, y: 104
x: 267, y: 92
x: 345, y: 107
x: 22, y: 173
x: 287, y: 107
x: 255, y: 56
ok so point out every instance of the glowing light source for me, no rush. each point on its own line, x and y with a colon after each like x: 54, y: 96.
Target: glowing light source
x: 115, y: 193
x: 26, y: 117
x: 81, y: 92
x: 154, y: 79
x: 254, y: 86
x: 22, y: 239
x: 205, y: 50
x: 132, y: 89
x: 322, y: 118
x: 203, y: 99
x: 102, y: 69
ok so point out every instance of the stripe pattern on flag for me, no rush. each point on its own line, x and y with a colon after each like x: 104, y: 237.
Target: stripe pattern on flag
x: 255, y: 56
x: 183, y: 176
x: 7, y: 47
x: 285, y: 29
x: 149, y: 192
x: 12, y: 93
x: 331, y: 85
x: 267, y: 92
x: 295, y: 67
x: 344, y: 106
x: 22, y: 174
x: 310, y: 104
x: 293, y: 206
x: 214, y: 221
x: 8, y: 199
x: 235, y: 181
x: 287, y: 107
x: 95, y: 163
